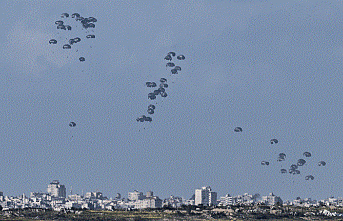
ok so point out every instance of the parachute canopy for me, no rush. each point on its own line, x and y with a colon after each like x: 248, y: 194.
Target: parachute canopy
x: 151, y: 96
x: 272, y: 141
x: 164, y: 94
x: 294, y: 167
x: 168, y: 58
x: 75, y: 15
x: 59, y: 22
x: 151, y: 111
x: 321, y: 163
x: 66, y: 46
x: 180, y: 57
x: 151, y: 106
x: 301, y: 162
x: 170, y: 64
x: 307, y: 154
x: 52, y: 41
x: 162, y: 85
x: 77, y: 39
x: 178, y: 68
x: 143, y: 118
x: 72, y: 124
x: 172, y: 53
x: 90, y: 36
x: 61, y: 27
x: 309, y: 177
x: 238, y: 129
x: 173, y: 71
x: 65, y: 15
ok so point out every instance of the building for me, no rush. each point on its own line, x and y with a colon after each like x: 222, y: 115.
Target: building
x: 150, y: 202
x: 205, y: 196
x: 271, y: 199
x: 135, y: 195
x: 94, y: 195
x: 56, y: 190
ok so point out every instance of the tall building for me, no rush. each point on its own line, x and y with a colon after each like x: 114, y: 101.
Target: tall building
x: 56, y: 190
x: 205, y: 196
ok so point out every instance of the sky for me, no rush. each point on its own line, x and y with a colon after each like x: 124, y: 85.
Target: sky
x: 273, y: 68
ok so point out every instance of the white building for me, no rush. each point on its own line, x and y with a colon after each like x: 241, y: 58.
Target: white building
x: 271, y: 199
x: 94, y: 195
x: 150, y: 202
x: 135, y: 195
x: 205, y: 196
x: 56, y: 190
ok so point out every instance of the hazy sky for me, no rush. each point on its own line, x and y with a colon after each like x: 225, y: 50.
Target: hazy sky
x: 273, y: 68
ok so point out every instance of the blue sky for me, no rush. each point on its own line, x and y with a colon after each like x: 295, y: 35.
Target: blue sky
x: 270, y: 67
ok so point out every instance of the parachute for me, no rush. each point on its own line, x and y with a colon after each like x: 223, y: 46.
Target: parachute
x: 282, y: 155
x: 294, y: 167
x: 156, y: 92
x: 141, y: 118
x: 150, y: 84
x: 173, y: 71
x: 180, y: 57
x: 164, y: 94
x: 272, y: 141
x: 172, y: 54
x: 79, y: 18
x: 309, y: 177
x: 163, y: 80
x: 162, y: 85
x: 168, y: 58
x: 91, y: 19
x: 77, y: 39
x: 321, y: 163
x: 53, y: 41
x: 151, y: 111
x: 301, y: 162
x: 294, y: 171
x: 65, y: 15
x: 170, y: 64
x: 238, y: 129
x: 59, y: 22
x: 71, y: 41
x: 151, y: 106
x: 72, y: 124
x: 90, y: 36
x: 178, y: 68
x: 307, y: 154
x: 66, y: 46
x: 151, y: 96
x: 75, y: 15
x: 61, y: 27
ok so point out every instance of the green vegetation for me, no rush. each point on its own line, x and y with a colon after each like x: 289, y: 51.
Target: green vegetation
x: 239, y: 212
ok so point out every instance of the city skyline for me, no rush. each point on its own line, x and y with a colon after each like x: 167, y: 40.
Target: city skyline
x: 271, y: 68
